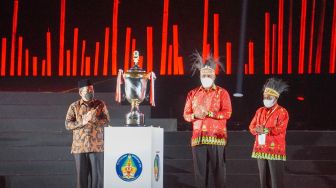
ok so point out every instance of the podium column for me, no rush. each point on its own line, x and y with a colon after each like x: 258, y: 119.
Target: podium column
x: 133, y: 157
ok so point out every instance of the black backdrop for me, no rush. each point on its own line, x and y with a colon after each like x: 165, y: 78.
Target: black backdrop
x: 91, y: 17
x: 316, y: 111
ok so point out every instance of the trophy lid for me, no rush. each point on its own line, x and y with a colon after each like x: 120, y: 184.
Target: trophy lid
x: 136, y: 69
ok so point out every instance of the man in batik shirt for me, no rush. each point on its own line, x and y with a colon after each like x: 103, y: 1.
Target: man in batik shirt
x: 208, y: 107
x: 269, y: 126
x: 86, y: 118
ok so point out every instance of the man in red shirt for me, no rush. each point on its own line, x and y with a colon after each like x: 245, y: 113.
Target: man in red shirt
x: 208, y: 107
x: 269, y: 127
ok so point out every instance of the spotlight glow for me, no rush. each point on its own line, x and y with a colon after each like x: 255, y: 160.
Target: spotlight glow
x: 238, y: 95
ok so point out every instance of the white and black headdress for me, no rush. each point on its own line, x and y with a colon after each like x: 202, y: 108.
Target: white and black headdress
x: 275, y: 87
x: 207, y: 64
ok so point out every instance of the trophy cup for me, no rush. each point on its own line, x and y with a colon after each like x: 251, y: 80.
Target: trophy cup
x: 135, y: 80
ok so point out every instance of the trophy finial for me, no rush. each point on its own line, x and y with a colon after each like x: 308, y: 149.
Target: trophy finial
x: 136, y: 57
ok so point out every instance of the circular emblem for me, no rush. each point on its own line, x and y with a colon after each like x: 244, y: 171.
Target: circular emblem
x: 157, y: 167
x: 129, y: 167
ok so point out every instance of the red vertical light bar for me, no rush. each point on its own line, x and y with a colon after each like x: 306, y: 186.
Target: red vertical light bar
x: 149, y: 49
x: 302, y: 36
x: 3, y: 56
x: 310, y: 57
x: 115, y: 36
x: 273, y: 47
x: 170, y: 59
x: 175, y: 48
x: 61, y: 42
x: 228, y: 58
x: 26, y: 62
x: 246, y: 69
x: 133, y: 47
x: 267, y: 43
x: 14, y: 30
x: 205, y: 28
x: 141, y: 61
x: 106, y: 49
x: 216, y: 40
x: 320, y: 40
x: 19, y: 69
x: 290, y: 28
x: 180, y: 66
x: 83, y: 58
x: 48, y: 53
x: 34, y: 66
x: 333, y: 44
x: 74, y: 52
x: 127, y: 48
x: 251, y: 58
x: 43, y: 73
x: 164, y: 37
x: 208, y: 49
x: 68, y: 68
x: 96, y: 59
x: 280, y: 35
x: 87, y: 66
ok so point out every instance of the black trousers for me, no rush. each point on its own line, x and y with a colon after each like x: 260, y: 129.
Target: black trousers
x: 89, y: 170
x: 209, y: 159
x: 271, y: 173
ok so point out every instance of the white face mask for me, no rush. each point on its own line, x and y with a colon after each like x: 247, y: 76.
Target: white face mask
x: 207, y: 82
x: 268, y: 103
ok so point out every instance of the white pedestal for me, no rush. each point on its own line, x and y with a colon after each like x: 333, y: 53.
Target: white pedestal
x: 133, y: 157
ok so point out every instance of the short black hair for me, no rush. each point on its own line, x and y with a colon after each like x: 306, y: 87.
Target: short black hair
x: 84, y: 82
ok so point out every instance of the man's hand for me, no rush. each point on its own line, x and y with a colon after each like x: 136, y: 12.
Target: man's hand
x: 203, y: 113
x: 259, y: 129
x: 200, y: 116
x: 87, y: 117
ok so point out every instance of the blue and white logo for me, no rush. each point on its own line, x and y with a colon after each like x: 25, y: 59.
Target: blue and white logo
x: 129, y: 167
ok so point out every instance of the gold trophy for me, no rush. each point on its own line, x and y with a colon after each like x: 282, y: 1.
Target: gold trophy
x: 135, y: 80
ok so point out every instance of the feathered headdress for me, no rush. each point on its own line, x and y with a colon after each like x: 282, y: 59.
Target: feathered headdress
x: 204, y: 64
x: 275, y: 87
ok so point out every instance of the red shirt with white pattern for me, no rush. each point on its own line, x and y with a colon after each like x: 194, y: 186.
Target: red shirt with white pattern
x: 212, y: 129
x: 275, y: 121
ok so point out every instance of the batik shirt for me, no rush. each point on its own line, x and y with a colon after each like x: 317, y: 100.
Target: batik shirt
x: 212, y: 129
x: 89, y: 137
x: 275, y: 121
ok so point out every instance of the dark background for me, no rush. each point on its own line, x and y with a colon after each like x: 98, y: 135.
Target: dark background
x: 316, y: 111
x: 36, y: 17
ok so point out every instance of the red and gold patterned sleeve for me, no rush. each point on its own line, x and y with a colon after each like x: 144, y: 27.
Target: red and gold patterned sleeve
x: 71, y: 121
x: 281, y: 124
x: 254, y: 123
x: 188, y: 111
x: 225, y: 107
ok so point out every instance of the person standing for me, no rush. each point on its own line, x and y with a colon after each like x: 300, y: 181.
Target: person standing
x: 208, y: 107
x: 86, y: 118
x: 269, y: 126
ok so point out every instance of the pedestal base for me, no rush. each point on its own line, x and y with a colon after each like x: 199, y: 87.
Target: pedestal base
x: 133, y: 157
x: 135, y: 118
